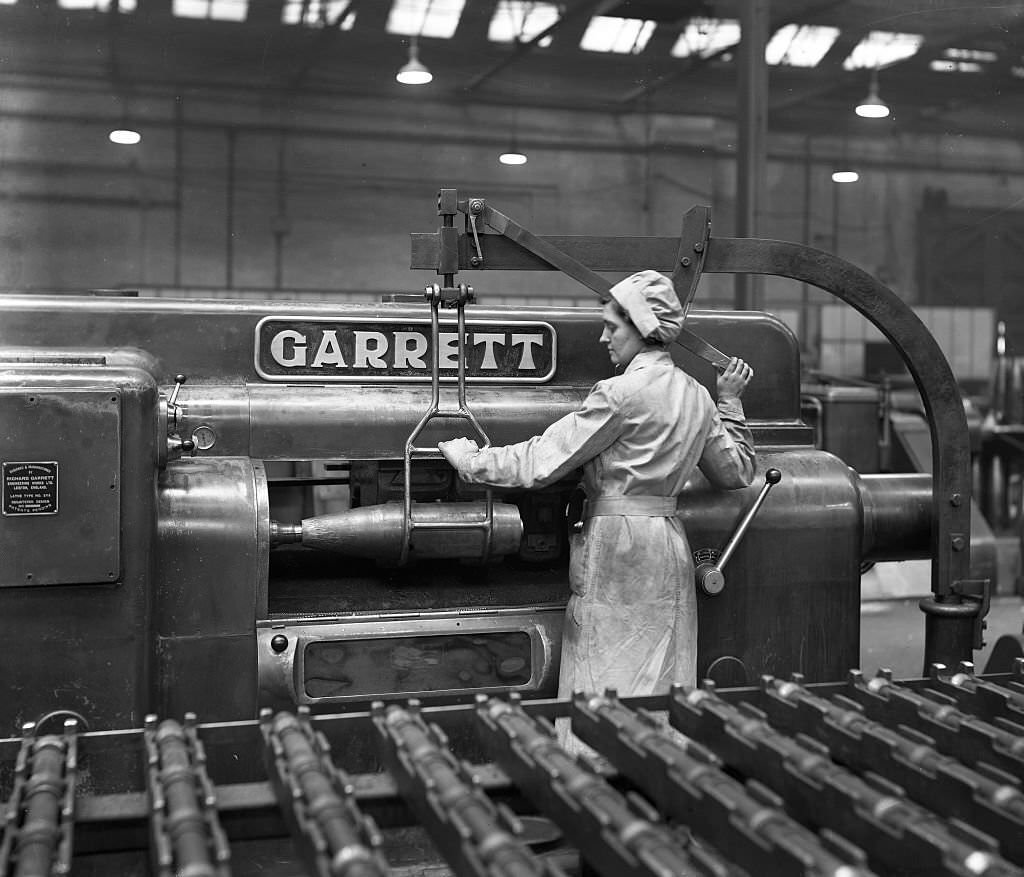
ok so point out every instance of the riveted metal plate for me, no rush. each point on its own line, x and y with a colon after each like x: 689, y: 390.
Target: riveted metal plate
x: 60, y: 485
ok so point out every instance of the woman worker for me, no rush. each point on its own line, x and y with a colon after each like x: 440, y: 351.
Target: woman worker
x: 631, y: 621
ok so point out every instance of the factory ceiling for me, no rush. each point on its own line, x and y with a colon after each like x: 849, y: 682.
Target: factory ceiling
x: 942, y: 66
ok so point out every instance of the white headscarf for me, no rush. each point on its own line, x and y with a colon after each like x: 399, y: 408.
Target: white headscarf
x: 651, y: 303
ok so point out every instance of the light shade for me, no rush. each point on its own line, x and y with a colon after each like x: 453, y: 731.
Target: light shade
x: 414, y: 73
x: 873, y: 107
x: 125, y: 136
x: 513, y: 156
x: 845, y: 176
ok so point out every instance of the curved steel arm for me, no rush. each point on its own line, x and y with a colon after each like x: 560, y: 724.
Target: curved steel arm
x: 951, y: 462
x: 957, y: 605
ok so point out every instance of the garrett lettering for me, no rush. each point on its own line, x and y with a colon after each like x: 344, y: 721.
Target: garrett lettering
x: 315, y: 349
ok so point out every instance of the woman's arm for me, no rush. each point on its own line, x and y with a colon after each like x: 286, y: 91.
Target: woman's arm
x: 728, y: 457
x: 565, y: 445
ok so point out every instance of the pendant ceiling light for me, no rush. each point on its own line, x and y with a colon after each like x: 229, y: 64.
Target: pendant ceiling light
x: 414, y: 73
x: 513, y: 155
x: 125, y: 136
x: 873, y: 107
x: 124, y: 133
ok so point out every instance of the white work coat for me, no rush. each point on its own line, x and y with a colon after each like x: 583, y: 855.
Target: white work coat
x: 631, y: 622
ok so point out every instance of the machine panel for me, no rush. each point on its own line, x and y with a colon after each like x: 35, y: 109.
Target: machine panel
x: 61, y: 455
x: 441, y: 653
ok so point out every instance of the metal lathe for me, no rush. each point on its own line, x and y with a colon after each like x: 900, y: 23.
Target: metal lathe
x: 247, y: 603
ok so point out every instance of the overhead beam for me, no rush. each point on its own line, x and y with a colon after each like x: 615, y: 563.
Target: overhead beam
x: 266, y: 13
x: 589, y: 8
x: 324, y: 39
x: 827, y: 85
x: 475, y: 21
x: 690, y: 65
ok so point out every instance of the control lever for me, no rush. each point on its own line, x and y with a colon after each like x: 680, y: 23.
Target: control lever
x: 175, y: 445
x: 173, y: 401
x: 709, y: 575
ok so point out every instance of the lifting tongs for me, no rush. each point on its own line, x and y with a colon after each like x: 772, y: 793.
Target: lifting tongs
x: 458, y: 298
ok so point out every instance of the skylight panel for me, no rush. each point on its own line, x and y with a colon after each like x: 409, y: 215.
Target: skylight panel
x: 800, y: 45
x: 623, y: 36
x: 706, y: 36
x: 319, y: 13
x: 98, y: 5
x: 520, y: 21
x: 947, y: 66
x: 963, y: 60
x: 881, y: 48
x: 425, y: 18
x: 215, y: 10
x: 970, y: 55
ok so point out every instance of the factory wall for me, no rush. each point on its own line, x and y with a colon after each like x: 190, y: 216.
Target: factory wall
x: 270, y: 195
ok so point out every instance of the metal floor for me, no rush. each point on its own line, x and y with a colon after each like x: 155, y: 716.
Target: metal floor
x: 892, y: 634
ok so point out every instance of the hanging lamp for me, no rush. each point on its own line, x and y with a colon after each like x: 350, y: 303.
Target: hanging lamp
x: 873, y: 107
x: 414, y: 73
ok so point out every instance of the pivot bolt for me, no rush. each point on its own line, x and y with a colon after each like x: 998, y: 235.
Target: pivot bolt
x: 279, y: 643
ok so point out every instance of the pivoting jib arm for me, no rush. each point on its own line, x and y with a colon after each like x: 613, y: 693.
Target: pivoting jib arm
x: 954, y: 610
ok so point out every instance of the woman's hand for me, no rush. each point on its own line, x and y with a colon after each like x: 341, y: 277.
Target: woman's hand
x: 733, y: 381
x: 457, y: 450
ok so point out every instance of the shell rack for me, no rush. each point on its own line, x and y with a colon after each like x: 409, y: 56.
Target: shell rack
x: 866, y: 776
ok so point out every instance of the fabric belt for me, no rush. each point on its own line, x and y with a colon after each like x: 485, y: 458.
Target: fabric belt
x: 639, y: 506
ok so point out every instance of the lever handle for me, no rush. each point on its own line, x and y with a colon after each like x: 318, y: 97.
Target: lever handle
x: 174, y: 446
x: 178, y: 381
x: 177, y: 447
x: 709, y: 575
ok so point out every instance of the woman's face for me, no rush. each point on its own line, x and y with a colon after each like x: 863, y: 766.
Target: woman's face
x: 622, y: 338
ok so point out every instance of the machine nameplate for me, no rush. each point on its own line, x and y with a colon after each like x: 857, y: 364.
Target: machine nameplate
x: 29, y: 488
x: 331, y: 350
x: 61, y: 484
